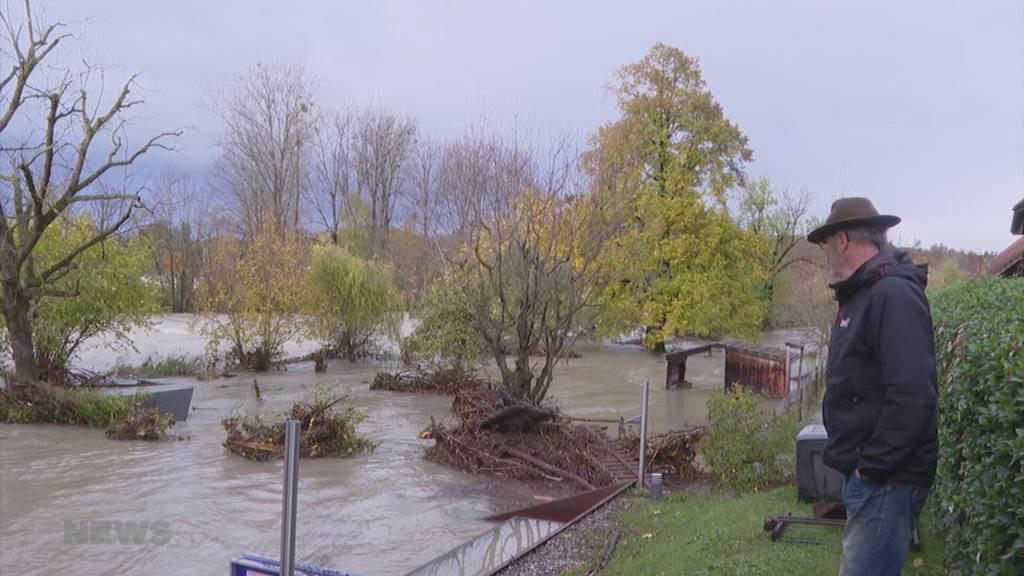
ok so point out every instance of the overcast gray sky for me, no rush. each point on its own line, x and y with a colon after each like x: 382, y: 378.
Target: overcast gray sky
x: 918, y: 105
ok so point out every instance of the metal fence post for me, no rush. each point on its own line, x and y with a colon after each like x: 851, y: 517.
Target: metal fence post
x: 291, y: 495
x: 788, y: 371
x: 643, y: 434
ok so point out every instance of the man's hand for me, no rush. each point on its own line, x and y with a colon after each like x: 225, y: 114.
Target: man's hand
x: 871, y: 476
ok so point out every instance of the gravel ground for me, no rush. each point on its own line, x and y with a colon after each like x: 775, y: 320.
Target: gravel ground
x: 582, y: 544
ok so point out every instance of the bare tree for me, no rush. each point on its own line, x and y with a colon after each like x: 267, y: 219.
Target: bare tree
x: 781, y: 219
x: 533, y: 233
x: 268, y: 129
x: 332, y: 172
x: 175, y: 230
x: 423, y: 176
x: 383, y: 144
x: 49, y: 129
x: 465, y: 179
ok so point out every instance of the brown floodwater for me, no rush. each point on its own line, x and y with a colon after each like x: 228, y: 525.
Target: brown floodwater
x: 67, y: 494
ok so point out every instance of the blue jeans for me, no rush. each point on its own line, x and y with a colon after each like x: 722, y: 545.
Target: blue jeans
x: 880, y: 518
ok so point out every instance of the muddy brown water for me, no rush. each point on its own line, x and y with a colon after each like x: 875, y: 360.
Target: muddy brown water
x: 69, y: 498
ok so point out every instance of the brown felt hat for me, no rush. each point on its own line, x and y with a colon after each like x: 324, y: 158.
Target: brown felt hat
x: 850, y: 213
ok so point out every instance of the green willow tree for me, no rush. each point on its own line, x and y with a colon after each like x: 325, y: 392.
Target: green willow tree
x: 353, y: 300
x: 445, y: 330
x: 680, y: 264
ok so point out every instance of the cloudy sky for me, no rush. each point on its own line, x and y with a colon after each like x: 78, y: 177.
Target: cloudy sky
x: 916, y: 104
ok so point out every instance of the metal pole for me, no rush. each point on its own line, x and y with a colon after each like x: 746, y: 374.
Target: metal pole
x: 800, y: 385
x: 788, y: 372
x: 291, y: 496
x: 643, y: 434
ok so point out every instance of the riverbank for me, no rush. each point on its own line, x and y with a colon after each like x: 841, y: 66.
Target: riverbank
x: 696, y: 531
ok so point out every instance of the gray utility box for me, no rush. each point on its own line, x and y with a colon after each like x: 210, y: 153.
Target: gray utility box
x: 815, y: 481
x: 173, y: 399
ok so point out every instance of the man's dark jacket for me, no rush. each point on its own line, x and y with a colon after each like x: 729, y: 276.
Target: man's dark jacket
x: 880, y: 406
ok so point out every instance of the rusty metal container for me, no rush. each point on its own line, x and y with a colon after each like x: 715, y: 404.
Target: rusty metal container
x: 757, y: 368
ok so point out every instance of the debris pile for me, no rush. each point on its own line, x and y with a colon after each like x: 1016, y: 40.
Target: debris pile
x: 495, y: 433
x: 437, y: 381
x: 328, y: 428
x: 671, y: 453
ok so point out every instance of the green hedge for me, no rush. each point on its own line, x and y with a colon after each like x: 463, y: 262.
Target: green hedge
x: 979, y: 327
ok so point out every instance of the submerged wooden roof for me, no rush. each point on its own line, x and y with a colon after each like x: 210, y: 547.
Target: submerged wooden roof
x: 740, y: 346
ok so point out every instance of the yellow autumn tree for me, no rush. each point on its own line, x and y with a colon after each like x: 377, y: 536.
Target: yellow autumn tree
x: 253, y: 295
x: 680, y: 263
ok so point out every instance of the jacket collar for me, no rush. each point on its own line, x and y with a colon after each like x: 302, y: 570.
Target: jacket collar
x: 868, y: 273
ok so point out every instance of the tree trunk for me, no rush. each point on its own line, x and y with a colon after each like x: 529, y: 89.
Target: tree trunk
x: 52, y: 371
x: 658, y: 346
x: 523, y: 375
x: 320, y: 360
x: 19, y: 332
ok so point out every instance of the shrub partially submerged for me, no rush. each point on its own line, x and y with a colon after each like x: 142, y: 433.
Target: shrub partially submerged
x: 159, y: 367
x: 141, y: 424
x: 327, y: 424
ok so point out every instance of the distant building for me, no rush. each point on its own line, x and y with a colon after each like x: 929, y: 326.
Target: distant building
x: 1010, y: 262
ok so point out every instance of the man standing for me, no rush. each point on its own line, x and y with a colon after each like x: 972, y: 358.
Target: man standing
x: 881, y: 396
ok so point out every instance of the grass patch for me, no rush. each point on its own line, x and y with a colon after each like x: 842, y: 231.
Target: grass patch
x: 20, y: 404
x: 162, y: 367
x: 712, y: 534
x: 122, y: 416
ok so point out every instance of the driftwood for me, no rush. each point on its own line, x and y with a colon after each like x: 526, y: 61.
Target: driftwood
x: 262, y: 446
x: 437, y: 381
x: 549, y: 468
x: 440, y: 435
x: 494, y: 432
x: 594, y: 462
x: 671, y: 452
x: 315, y: 357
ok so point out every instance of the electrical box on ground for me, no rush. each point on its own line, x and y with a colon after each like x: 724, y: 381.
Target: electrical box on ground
x: 815, y: 482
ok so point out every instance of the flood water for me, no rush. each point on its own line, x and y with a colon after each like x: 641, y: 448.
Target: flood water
x: 69, y: 497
